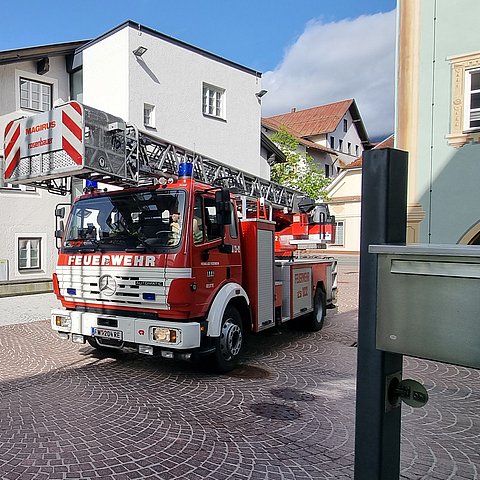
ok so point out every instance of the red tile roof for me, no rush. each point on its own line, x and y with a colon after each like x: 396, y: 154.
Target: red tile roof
x: 273, y: 126
x: 312, y: 121
x: 389, y: 142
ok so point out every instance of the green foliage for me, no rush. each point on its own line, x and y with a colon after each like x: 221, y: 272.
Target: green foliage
x: 299, y: 171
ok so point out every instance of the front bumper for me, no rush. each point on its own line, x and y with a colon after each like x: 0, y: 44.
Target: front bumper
x: 133, y: 330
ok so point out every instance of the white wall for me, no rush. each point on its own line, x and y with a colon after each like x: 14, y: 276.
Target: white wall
x: 10, y: 88
x: 345, y: 194
x: 171, y: 77
x: 351, y: 135
x: 28, y: 214
x: 105, y: 74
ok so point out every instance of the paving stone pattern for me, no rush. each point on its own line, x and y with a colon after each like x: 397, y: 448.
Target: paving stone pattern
x: 68, y: 411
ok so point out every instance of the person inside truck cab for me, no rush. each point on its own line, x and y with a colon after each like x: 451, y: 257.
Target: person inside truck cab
x: 175, y: 228
x: 197, y: 230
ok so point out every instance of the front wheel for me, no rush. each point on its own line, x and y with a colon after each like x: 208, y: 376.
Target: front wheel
x: 317, y: 317
x: 230, y: 342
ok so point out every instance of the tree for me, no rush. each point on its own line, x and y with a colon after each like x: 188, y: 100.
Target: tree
x: 300, y: 170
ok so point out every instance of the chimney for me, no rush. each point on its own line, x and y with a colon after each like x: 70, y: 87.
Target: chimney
x: 294, y: 109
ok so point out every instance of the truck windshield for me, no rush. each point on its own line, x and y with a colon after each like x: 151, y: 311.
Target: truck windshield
x: 142, y: 220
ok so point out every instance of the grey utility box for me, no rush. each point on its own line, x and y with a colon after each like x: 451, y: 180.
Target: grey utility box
x: 428, y: 302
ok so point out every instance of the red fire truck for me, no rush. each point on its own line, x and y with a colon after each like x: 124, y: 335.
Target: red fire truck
x: 183, y: 260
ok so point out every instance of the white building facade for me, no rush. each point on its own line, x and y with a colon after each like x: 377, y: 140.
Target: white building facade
x: 173, y: 90
x: 176, y: 91
x: 32, y: 80
x: 333, y: 134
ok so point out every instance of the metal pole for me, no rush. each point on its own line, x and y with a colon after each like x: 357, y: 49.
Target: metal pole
x: 384, y: 221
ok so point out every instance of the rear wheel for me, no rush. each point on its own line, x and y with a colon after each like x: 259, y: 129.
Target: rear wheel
x: 230, y: 342
x: 317, y: 317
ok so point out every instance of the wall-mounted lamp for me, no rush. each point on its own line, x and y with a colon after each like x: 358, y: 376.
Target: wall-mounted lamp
x: 139, y: 51
x: 261, y: 93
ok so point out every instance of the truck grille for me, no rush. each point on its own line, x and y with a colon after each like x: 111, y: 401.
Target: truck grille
x: 111, y: 287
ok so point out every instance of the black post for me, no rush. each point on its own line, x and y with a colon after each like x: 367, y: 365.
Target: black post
x: 384, y: 221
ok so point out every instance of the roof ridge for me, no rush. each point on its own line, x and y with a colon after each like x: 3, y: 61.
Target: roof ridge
x: 350, y: 101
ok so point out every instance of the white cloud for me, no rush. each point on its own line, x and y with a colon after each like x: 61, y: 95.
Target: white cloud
x: 352, y: 58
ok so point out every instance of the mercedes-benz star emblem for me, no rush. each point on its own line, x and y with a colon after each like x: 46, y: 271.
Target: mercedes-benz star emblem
x: 107, y: 285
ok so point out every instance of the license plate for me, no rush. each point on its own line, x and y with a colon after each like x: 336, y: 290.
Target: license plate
x: 106, y: 333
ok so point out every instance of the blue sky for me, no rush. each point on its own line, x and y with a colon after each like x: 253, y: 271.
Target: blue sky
x: 261, y: 34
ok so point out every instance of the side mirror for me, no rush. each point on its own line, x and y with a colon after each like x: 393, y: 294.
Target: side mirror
x: 223, y: 207
x: 60, y: 212
x: 61, y: 230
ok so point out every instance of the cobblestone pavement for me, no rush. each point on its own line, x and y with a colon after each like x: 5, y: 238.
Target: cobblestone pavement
x: 68, y: 411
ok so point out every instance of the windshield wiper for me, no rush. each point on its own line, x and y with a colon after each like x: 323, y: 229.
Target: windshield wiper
x: 146, y: 247
x: 140, y: 249
x: 88, y: 246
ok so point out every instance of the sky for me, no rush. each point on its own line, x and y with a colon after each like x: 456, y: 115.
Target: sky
x: 311, y: 52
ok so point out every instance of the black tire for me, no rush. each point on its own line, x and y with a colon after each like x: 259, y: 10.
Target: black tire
x: 317, y: 317
x: 229, y: 344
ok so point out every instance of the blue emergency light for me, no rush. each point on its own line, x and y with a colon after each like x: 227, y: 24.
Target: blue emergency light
x: 185, y: 169
x: 91, y: 184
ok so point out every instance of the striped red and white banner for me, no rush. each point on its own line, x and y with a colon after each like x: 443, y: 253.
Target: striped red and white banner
x: 39, y: 134
x: 72, y: 135
x: 12, y: 147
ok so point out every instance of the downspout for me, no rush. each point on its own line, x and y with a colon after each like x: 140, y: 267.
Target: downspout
x: 432, y: 121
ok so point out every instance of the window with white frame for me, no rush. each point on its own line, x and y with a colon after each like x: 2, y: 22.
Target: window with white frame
x: 345, y: 125
x: 339, y: 233
x: 149, y: 115
x: 35, y: 95
x: 464, y: 99
x: 332, y: 142
x: 472, y: 100
x: 340, y: 145
x: 29, y: 253
x: 213, y: 101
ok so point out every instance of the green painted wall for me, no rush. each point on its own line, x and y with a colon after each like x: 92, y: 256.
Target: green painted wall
x: 448, y: 179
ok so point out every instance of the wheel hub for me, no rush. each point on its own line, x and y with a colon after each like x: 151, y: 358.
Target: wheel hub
x: 230, y: 339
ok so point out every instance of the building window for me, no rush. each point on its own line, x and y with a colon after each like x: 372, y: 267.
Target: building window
x: 472, y: 100
x: 149, y: 115
x: 205, y: 227
x: 465, y: 99
x: 213, y: 101
x: 332, y: 143
x: 349, y: 148
x: 76, y: 85
x: 345, y: 125
x: 29, y: 253
x: 339, y: 233
x: 35, y: 95
x: 340, y: 145
x: 327, y: 171
x: 356, y: 150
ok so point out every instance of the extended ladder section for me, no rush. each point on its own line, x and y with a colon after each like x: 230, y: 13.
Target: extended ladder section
x: 77, y: 141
